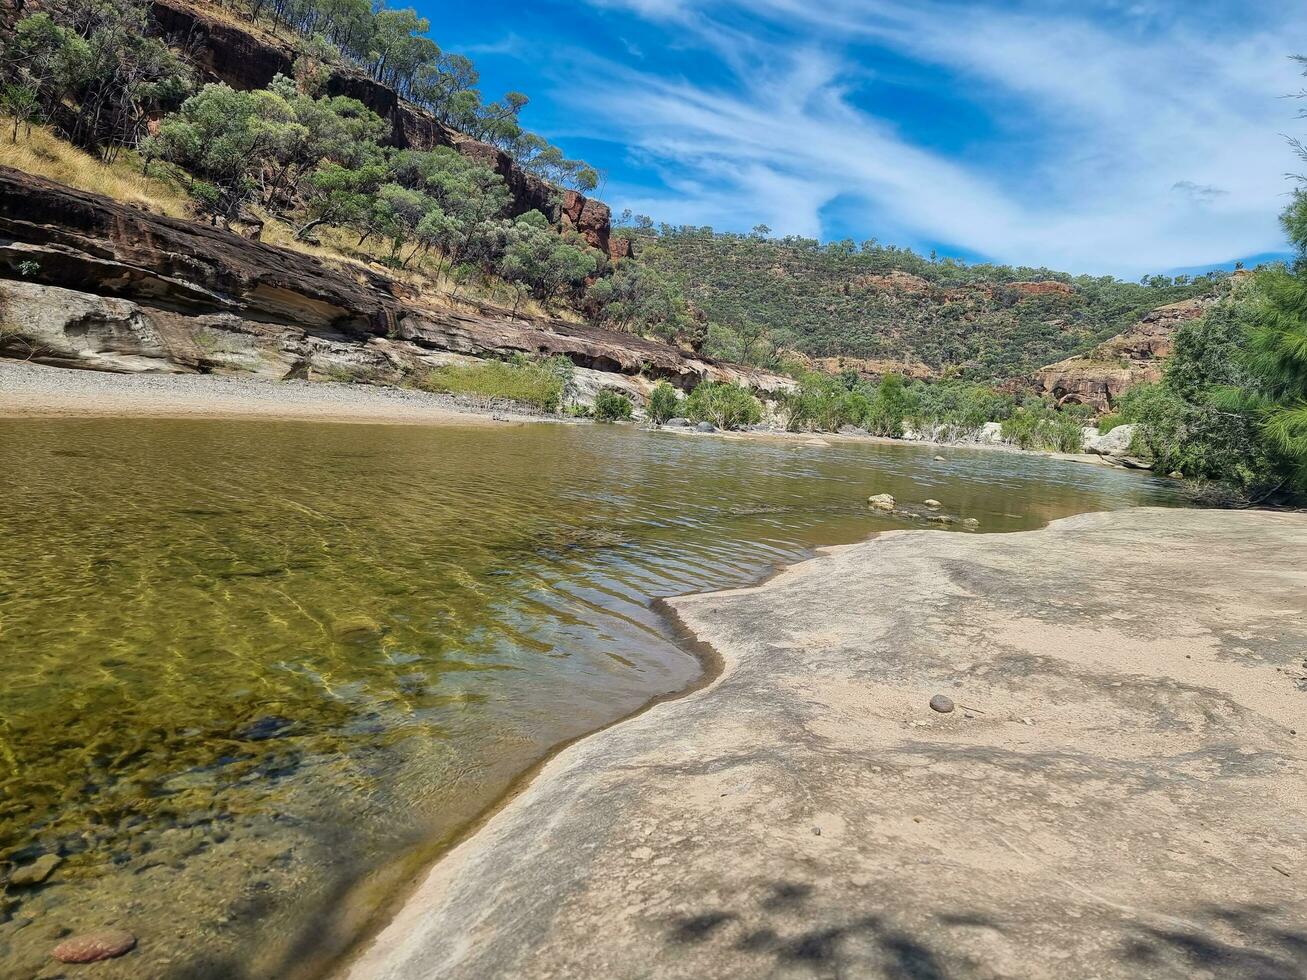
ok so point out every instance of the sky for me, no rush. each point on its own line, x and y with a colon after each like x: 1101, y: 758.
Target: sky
x: 1109, y: 137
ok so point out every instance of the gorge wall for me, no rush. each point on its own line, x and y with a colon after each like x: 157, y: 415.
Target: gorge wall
x: 88, y: 282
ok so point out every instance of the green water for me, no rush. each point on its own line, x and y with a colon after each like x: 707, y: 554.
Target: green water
x: 243, y: 663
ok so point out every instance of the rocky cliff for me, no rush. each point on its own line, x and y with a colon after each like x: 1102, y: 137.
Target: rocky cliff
x: 1130, y: 358
x: 224, y: 50
x: 89, y: 282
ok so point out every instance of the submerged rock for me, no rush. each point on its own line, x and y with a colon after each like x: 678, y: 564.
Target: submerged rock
x: 264, y: 728
x: 36, y: 872
x: 932, y: 503
x: 881, y: 501
x: 90, y: 947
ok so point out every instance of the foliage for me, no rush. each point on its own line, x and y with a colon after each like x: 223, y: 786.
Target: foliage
x: 823, y: 403
x: 884, y: 302
x: 954, y: 410
x: 543, y: 261
x: 611, y: 407
x: 1272, y: 387
x: 640, y: 299
x: 92, y: 69
x: 536, y: 385
x: 743, y: 341
x: 1109, y: 422
x: 664, y: 402
x: 263, y: 142
x: 1044, y: 428
x: 392, y: 45
x: 1186, y: 421
x: 890, y: 404
x: 725, y: 405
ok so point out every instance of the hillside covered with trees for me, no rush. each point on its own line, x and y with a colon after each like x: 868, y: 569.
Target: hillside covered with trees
x: 886, y: 303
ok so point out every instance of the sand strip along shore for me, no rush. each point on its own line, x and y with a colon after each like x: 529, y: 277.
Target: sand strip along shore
x: 1118, y: 793
x: 37, y: 391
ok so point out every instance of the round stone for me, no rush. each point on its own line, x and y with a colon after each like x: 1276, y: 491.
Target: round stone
x: 933, y: 504
x: 941, y: 704
x: 89, y: 947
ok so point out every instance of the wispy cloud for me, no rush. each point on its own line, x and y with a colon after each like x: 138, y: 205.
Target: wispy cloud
x: 1118, y: 138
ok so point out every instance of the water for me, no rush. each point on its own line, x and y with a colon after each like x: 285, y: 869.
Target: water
x: 246, y: 663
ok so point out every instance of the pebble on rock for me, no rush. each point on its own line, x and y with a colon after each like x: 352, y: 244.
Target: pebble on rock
x: 941, y: 704
x: 90, y: 947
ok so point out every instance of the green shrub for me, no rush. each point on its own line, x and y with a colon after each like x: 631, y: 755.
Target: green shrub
x: 824, y: 403
x: 957, y: 409
x: 725, y: 405
x: 891, y: 403
x: 664, y: 402
x: 535, y: 385
x: 1199, y: 439
x: 610, y: 407
x: 1109, y: 422
x: 1046, y: 429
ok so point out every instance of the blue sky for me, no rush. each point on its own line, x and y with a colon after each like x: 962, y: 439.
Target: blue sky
x: 1102, y: 136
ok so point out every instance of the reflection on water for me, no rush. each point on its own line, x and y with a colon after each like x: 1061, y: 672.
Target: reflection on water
x: 244, y: 662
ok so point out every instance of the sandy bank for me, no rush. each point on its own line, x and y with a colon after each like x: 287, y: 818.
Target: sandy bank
x: 1118, y: 793
x: 36, y: 391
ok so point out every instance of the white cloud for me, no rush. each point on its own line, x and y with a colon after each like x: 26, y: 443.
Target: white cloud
x: 1119, y: 150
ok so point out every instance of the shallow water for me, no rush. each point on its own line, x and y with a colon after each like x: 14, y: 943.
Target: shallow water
x: 244, y: 662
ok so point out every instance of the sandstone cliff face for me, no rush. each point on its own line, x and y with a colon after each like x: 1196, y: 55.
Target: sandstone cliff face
x: 1119, y: 364
x: 88, y: 282
x: 226, y: 52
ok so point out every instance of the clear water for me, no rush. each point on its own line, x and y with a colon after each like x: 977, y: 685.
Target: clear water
x: 242, y: 665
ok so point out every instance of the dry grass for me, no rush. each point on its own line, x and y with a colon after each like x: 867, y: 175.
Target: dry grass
x: 426, y: 274
x: 46, y: 155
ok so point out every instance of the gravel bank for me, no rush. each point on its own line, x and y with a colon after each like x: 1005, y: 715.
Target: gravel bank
x: 36, y: 391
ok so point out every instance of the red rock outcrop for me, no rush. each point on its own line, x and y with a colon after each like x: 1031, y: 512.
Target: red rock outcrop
x: 1045, y: 287
x: 896, y: 281
x: 90, y: 282
x: 245, y: 58
x: 1115, y: 366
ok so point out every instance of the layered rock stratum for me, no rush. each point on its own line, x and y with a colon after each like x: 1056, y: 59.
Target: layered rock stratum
x: 89, y: 282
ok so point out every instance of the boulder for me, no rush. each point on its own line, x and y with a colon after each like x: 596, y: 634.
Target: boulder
x: 1115, y: 442
x: 932, y: 503
x: 677, y: 423
x: 881, y: 501
x: 705, y: 427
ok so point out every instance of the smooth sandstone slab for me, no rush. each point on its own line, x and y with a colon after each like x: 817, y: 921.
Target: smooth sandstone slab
x: 1117, y: 794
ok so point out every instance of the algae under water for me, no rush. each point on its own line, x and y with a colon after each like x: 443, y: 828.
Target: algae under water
x: 242, y: 664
